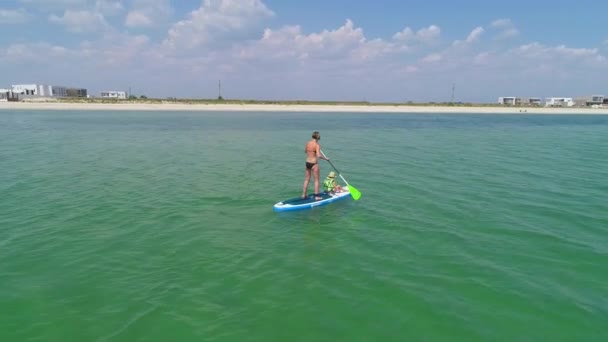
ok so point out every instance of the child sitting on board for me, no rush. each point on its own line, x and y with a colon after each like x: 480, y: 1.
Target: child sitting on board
x: 330, y: 185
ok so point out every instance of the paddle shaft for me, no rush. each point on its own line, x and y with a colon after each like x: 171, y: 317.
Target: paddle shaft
x: 332, y: 165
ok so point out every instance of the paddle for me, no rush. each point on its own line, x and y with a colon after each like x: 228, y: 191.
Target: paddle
x: 356, y: 194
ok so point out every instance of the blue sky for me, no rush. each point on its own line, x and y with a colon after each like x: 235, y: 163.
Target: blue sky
x: 316, y: 50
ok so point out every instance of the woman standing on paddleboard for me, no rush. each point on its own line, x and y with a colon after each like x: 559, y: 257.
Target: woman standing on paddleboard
x: 313, y: 153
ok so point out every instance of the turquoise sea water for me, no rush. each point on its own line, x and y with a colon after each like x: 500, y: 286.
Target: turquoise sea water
x: 153, y: 226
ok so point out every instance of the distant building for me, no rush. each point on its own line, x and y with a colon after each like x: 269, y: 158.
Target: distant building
x: 519, y: 101
x: 59, y: 91
x: 33, y: 89
x: 508, y: 101
x: 8, y: 95
x: 114, y: 95
x: 534, y: 101
x: 5, y: 92
x: 559, y: 102
x: 593, y: 100
x: 76, y: 92
x: 40, y: 90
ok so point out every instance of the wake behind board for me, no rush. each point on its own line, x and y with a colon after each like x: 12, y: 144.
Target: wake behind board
x: 299, y: 203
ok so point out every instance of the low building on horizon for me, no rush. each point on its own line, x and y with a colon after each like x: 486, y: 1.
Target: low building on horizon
x: 76, y: 92
x: 45, y: 90
x: 519, y: 101
x: 59, y: 91
x: 559, y: 102
x: 507, y: 100
x: 582, y: 101
x: 590, y: 100
x: 113, y: 94
x: 33, y: 89
x: 533, y: 101
x: 8, y: 95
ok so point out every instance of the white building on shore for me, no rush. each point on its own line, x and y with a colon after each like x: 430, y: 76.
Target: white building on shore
x: 43, y: 90
x: 590, y: 101
x: 114, y: 94
x: 7, y: 95
x: 519, y: 101
x: 507, y: 100
x: 33, y: 89
x: 559, y: 102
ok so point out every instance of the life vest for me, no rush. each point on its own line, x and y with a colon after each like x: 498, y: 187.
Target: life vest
x: 328, y: 184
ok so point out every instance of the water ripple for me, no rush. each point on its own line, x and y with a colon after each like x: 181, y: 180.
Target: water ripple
x: 135, y: 226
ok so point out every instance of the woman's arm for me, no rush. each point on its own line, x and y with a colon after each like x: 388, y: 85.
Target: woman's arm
x: 319, y: 154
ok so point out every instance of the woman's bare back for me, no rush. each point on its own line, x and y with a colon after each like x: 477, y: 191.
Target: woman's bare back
x: 312, y: 151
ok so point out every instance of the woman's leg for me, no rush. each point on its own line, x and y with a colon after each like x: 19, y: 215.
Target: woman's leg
x: 306, y: 181
x: 315, y: 172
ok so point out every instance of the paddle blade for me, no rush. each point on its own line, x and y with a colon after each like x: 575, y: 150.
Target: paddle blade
x: 354, y: 192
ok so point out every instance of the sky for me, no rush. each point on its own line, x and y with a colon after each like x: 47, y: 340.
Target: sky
x: 378, y: 51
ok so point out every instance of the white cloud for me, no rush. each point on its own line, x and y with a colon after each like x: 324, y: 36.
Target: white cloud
x: 14, y: 16
x: 429, y: 34
x: 56, y: 4
x: 425, y: 35
x: 138, y: 19
x: 502, y: 23
x: 432, y: 58
x: 217, y: 21
x: 226, y: 39
x: 147, y: 13
x: 346, y: 44
x: 473, y: 36
x: 80, y: 21
x: 109, y: 7
x: 506, y: 27
x: 530, y: 58
x: 112, y: 49
x: 509, y: 33
x: 482, y: 58
x: 324, y: 44
x: 117, y: 49
x: 30, y: 53
x: 376, y: 48
x: 53, y: 2
x: 539, y: 51
x: 411, y: 69
x: 405, y: 35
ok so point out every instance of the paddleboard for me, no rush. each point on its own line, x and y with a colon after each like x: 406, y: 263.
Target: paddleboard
x: 310, y: 202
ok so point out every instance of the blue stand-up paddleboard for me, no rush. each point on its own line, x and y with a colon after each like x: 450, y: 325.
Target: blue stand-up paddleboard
x: 299, y: 203
x: 310, y: 202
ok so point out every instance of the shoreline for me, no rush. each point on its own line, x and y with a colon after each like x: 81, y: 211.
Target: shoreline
x: 430, y: 109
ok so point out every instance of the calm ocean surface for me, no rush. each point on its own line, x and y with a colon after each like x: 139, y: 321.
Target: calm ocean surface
x: 158, y: 226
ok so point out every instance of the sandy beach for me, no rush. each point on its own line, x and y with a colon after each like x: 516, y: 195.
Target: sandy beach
x: 295, y: 108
